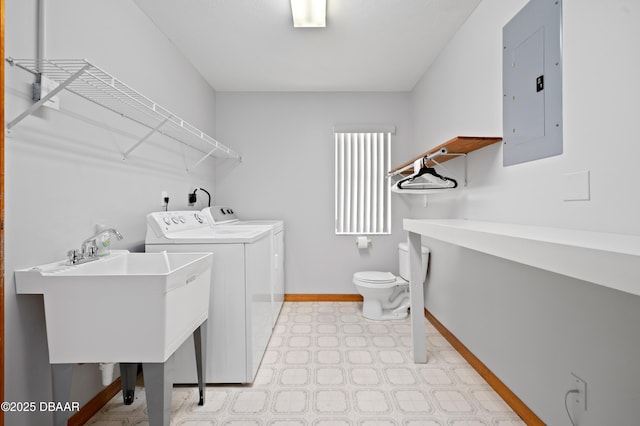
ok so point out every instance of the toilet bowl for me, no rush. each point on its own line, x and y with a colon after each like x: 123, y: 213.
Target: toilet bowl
x: 385, y: 295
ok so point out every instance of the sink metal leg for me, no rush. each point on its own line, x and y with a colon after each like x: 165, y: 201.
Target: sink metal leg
x: 61, y: 383
x: 200, y: 343
x: 128, y: 373
x: 158, y: 384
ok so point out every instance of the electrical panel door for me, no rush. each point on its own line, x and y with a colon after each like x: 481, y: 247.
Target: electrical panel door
x: 532, y: 83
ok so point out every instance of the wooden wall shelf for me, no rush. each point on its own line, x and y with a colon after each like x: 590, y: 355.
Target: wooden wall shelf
x: 457, y: 145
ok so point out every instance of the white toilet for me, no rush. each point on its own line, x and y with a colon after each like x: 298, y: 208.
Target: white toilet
x: 385, y: 295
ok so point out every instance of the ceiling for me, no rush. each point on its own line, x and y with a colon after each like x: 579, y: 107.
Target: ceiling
x: 368, y: 45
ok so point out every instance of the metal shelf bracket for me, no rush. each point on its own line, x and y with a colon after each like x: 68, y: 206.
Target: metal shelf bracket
x: 36, y: 106
x: 141, y: 141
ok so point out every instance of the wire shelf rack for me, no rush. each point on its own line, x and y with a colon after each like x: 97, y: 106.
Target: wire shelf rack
x: 90, y: 82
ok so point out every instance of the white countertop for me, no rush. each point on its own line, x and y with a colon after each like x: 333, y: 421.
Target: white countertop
x: 610, y: 260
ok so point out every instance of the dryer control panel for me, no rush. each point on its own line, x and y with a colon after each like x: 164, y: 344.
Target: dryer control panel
x: 220, y: 214
x: 162, y: 223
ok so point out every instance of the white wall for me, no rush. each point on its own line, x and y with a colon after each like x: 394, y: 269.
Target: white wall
x: 461, y: 94
x: 64, y: 173
x: 530, y: 327
x: 287, y: 173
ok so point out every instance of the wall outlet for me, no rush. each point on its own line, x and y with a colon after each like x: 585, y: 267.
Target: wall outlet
x: 579, y: 398
x: 192, y: 198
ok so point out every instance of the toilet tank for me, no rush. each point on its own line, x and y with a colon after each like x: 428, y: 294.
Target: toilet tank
x: 403, y: 260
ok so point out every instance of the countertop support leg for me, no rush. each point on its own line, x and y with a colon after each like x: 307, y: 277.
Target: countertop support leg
x: 200, y: 343
x: 158, y: 384
x: 61, y: 383
x: 128, y: 372
x: 416, y: 286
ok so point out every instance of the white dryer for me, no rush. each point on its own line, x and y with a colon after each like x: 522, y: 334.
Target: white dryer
x: 240, y: 308
x: 226, y: 216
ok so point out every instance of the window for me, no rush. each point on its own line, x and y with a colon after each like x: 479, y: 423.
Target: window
x: 362, y: 194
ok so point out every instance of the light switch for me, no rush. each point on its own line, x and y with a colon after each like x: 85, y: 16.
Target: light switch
x: 576, y: 186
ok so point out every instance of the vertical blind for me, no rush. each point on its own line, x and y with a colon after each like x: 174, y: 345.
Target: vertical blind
x: 363, y: 197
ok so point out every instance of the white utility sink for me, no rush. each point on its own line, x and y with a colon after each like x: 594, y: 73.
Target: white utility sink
x: 125, y: 307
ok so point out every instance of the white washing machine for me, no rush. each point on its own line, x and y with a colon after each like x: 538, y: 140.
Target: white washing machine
x: 240, y: 310
x: 226, y: 216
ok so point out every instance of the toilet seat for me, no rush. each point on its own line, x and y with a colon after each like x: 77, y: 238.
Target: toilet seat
x: 376, y: 279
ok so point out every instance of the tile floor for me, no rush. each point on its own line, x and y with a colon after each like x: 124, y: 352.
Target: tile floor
x: 328, y: 366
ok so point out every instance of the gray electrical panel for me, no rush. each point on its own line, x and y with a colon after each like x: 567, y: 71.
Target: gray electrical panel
x: 532, y: 83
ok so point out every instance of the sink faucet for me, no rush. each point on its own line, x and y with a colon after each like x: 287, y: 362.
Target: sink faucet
x: 89, y: 249
x: 90, y: 244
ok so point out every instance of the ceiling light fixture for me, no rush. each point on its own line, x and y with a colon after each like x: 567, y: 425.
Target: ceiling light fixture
x: 309, y: 13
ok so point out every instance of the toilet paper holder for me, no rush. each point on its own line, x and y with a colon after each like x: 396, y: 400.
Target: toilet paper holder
x: 363, y: 242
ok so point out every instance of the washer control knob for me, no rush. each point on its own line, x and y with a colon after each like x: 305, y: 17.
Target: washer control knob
x: 174, y: 220
x: 222, y: 211
x: 198, y: 217
x: 182, y: 219
x: 167, y: 220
